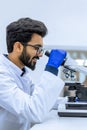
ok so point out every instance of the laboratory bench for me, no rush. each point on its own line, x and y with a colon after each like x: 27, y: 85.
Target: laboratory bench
x: 54, y: 122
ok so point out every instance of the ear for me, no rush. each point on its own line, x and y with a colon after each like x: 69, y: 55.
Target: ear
x: 18, y: 47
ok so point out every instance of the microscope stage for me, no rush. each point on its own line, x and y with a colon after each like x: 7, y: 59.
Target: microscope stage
x: 72, y: 109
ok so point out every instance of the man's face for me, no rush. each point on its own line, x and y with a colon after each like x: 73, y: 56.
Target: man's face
x: 31, y: 52
x: 25, y: 59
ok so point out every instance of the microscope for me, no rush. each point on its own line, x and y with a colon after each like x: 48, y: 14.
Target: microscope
x: 76, y: 106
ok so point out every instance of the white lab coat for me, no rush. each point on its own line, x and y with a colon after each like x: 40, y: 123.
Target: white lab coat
x: 22, y: 102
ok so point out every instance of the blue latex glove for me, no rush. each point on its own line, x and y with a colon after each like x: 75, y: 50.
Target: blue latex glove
x: 56, y: 58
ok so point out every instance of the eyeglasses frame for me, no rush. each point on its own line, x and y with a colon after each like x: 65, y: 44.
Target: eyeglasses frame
x: 36, y: 47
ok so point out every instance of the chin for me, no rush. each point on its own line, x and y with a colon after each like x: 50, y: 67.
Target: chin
x: 32, y: 67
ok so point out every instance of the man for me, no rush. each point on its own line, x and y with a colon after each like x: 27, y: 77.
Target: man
x: 21, y: 101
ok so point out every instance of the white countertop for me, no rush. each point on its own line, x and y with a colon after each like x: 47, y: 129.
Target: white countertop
x: 54, y: 122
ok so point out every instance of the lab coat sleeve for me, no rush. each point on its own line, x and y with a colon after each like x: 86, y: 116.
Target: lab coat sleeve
x: 26, y: 107
x: 60, y: 100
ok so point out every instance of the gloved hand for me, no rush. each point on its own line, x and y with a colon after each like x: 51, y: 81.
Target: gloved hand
x: 56, y: 58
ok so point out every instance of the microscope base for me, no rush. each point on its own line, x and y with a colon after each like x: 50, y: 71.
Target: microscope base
x: 73, y: 110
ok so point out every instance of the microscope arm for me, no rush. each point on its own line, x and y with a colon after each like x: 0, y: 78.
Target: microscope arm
x: 72, y: 64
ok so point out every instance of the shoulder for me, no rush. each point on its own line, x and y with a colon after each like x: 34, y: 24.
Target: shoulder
x: 3, y: 65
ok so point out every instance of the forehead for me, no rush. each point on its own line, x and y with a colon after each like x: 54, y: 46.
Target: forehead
x: 36, y: 39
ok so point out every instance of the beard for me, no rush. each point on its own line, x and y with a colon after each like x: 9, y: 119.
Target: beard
x: 25, y: 59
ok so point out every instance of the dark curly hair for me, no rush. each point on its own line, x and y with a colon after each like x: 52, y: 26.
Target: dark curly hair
x: 22, y: 31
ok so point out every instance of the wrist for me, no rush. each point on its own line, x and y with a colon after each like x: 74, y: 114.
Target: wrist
x: 51, y: 69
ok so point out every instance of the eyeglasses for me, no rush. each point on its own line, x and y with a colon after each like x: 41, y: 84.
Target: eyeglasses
x: 36, y: 47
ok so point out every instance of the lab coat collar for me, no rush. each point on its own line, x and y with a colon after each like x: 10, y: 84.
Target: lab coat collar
x: 11, y: 65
